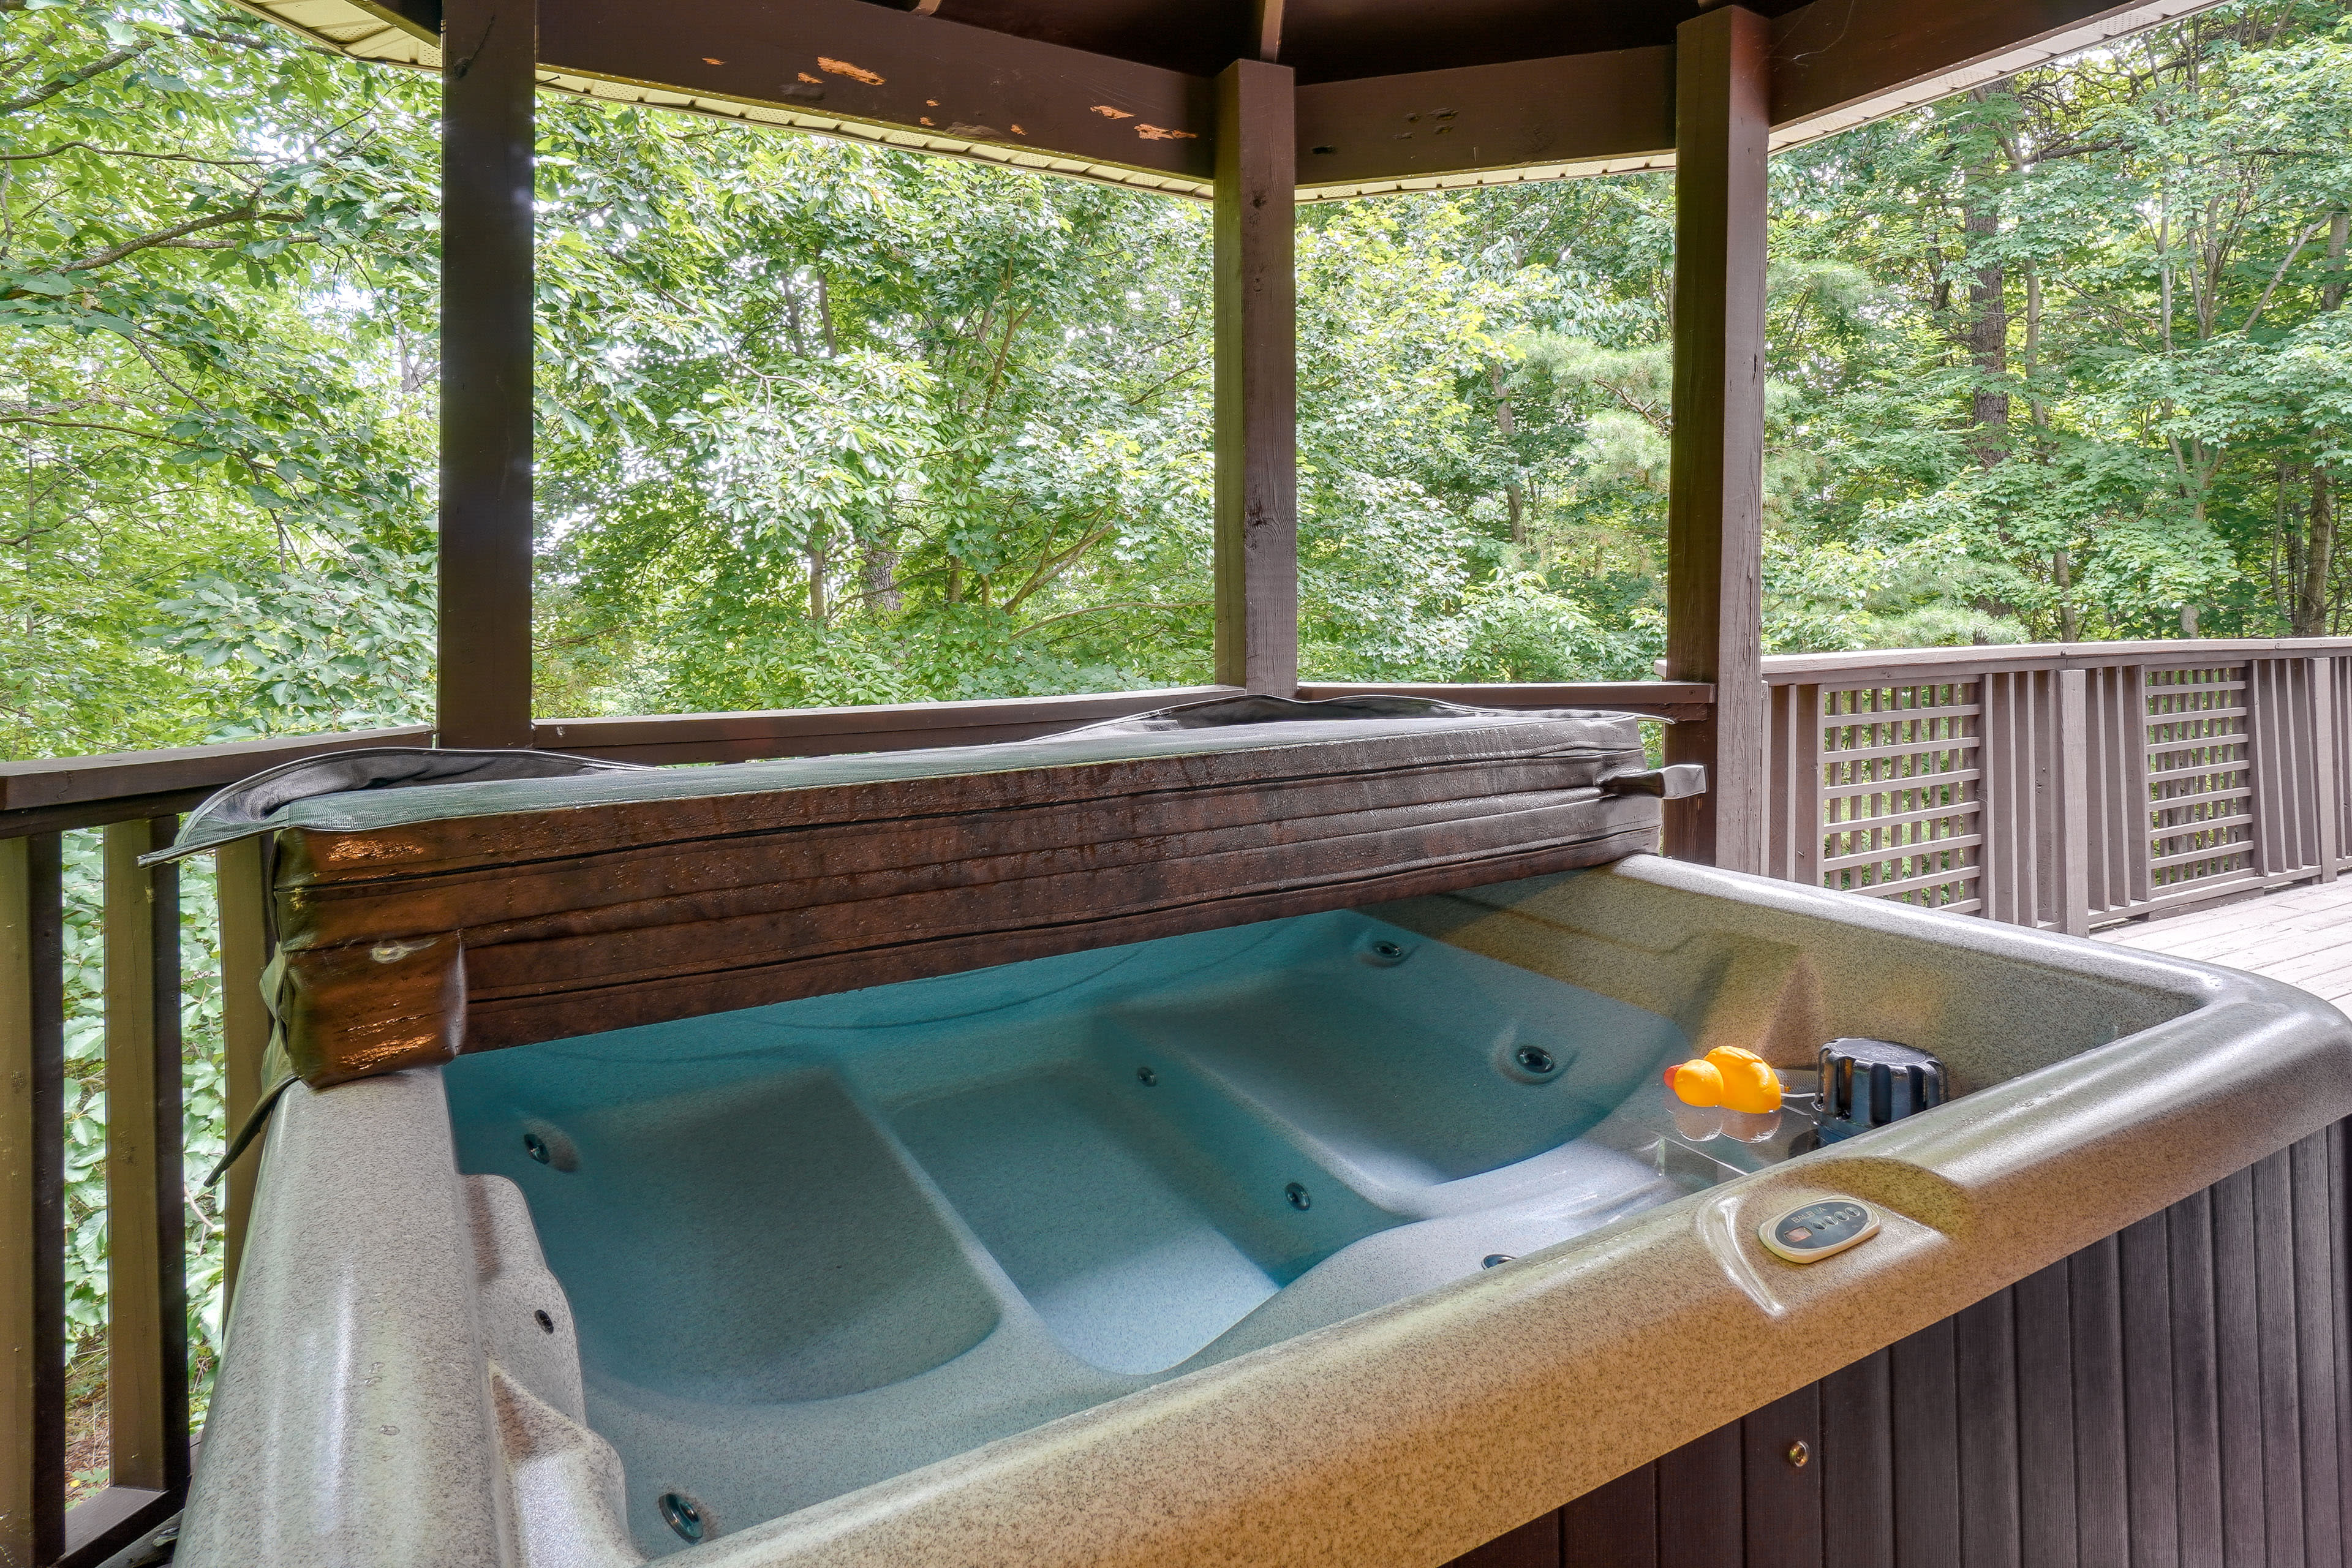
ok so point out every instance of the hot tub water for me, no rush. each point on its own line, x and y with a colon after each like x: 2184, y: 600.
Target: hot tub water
x: 810, y: 1246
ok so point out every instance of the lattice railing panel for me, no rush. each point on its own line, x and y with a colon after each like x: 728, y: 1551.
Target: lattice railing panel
x: 2201, y: 780
x: 1901, y: 797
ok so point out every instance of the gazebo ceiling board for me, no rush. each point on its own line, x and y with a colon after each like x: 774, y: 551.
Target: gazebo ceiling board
x: 1500, y: 91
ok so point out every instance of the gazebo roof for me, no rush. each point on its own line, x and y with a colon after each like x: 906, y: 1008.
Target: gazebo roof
x: 1393, y: 94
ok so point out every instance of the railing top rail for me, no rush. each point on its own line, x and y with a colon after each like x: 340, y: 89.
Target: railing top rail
x: 76, y: 792
x: 142, y: 776
x: 876, y: 727
x: 1869, y: 666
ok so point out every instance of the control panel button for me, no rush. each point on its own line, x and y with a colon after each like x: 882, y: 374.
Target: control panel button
x: 1819, y: 1229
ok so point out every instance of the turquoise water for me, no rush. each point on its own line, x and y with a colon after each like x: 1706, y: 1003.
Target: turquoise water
x: 813, y: 1245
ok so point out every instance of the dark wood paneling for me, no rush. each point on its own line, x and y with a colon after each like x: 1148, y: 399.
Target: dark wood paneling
x: 1858, y: 1464
x: 2281, y: 1373
x: 2174, y: 1394
x: 2045, y: 1418
x: 1614, y: 1526
x: 1256, y: 284
x: 2150, y: 1470
x: 1927, y: 1444
x: 1714, y: 505
x: 2237, y: 1359
x: 487, y: 94
x: 1701, y: 1497
x: 2316, y: 1269
x: 1984, y: 1345
x: 2102, y: 1505
x: 2196, y: 1392
x: 1535, y: 1545
x: 1782, y: 1497
x: 2339, y: 1277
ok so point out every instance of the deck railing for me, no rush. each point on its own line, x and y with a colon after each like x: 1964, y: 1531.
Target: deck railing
x: 2057, y: 786
x: 2061, y: 786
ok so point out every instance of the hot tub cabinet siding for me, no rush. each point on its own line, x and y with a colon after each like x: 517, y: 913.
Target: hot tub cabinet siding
x: 2179, y: 1393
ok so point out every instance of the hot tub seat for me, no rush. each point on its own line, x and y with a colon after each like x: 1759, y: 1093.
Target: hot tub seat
x: 815, y: 1245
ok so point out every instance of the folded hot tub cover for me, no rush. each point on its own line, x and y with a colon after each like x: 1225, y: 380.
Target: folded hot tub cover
x: 345, y: 791
x: 427, y: 903
x: 248, y: 806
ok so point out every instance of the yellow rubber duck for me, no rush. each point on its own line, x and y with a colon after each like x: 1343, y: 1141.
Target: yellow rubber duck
x: 1695, y: 1083
x: 1729, y: 1077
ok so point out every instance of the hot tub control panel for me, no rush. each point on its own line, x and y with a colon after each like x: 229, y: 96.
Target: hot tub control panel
x: 1819, y: 1229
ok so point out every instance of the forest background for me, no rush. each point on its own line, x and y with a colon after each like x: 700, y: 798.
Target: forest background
x: 822, y: 423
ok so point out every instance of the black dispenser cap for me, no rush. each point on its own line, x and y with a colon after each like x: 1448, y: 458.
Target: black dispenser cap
x: 1880, y: 1064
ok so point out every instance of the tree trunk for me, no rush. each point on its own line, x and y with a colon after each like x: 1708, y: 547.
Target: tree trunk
x: 1513, y: 493
x: 2070, y: 619
x: 2319, y: 545
x: 2318, y: 558
x: 880, y: 563
x: 1987, y: 327
x: 816, y: 578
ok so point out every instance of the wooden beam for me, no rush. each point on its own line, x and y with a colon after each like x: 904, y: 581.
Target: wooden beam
x: 242, y: 889
x: 1256, y: 380
x: 146, y: 1291
x: 18, y: 1230
x: 92, y: 780
x: 1715, y: 509
x: 483, y: 695
x: 1839, y: 63
x: 874, y: 65
x: 1677, y: 701
x: 942, y: 85
x: 823, y: 731
x: 32, y: 1201
x: 1529, y: 119
x: 1268, y: 30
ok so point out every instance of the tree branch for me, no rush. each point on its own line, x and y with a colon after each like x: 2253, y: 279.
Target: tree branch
x: 7, y: 418
x: 71, y: 79
x: 2260, y: 304
x: 163, y: 236
x: 1119, y: 605
x: 128, y: 153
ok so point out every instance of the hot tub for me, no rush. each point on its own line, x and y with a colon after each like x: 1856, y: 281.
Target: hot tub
x: 1356, y: 1236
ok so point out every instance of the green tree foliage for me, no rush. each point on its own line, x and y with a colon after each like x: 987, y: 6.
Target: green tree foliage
x: 824, y: 423
x: 208, y: 232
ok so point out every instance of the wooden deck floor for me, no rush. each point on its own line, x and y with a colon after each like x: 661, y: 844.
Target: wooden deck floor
x: 2302, y: 936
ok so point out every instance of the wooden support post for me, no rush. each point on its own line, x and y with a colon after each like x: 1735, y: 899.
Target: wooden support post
x: 1256, y: 381
x: 1715, y: 510
x: 2072, y: 851
x: 32, y: 1203
x: 146, y: 1265
x: 489, y: 48
x: 2327, y: 797
x: 241, y: 891
x: 18, y: 1408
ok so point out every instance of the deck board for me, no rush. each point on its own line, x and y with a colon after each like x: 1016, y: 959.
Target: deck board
x: 2302, y: 936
